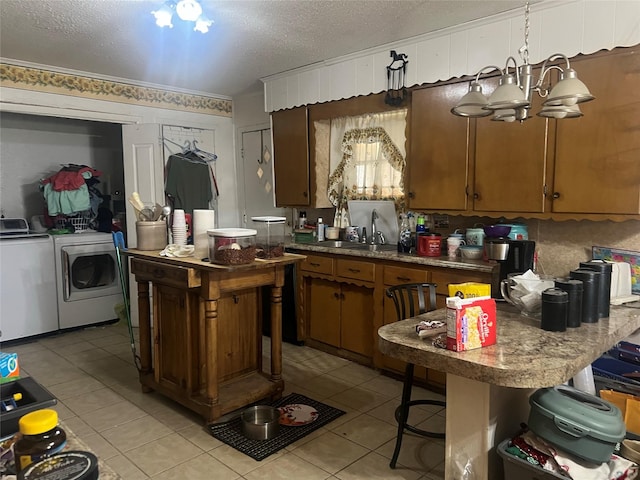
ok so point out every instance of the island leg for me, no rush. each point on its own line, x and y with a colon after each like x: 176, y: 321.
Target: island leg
x: 479, y: 417
x: 211, y: 351
x: 144, y: 318
x: 276, y: 325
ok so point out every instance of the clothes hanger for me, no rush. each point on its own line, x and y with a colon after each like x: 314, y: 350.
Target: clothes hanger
x: 203, y: 154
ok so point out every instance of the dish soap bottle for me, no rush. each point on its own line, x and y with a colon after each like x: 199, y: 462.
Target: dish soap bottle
x: 404, y: 235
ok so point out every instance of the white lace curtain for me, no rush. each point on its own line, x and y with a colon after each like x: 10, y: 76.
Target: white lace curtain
x: 367, y: 160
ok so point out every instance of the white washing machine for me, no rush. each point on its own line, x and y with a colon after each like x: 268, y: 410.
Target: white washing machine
x: 88, y: 282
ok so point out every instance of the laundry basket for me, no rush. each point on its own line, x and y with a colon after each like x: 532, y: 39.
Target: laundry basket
x: 79, y: 223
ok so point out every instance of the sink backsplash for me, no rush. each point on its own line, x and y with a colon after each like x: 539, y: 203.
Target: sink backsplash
x: 561, y: 246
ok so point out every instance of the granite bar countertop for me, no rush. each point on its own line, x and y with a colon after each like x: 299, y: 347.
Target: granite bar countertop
x: 525, y: 356
x: 390, y: 253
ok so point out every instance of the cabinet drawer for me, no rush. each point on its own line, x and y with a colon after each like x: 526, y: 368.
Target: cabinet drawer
x: 172, y: 275
x: 317, y: 264
x: 443, y: 278
x: 398, y: 275
x: 356, y: 269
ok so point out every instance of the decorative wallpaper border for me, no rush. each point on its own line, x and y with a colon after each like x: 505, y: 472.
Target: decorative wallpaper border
x: 25, y: 78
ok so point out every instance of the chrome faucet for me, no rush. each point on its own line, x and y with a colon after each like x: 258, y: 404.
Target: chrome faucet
x: 377, y: 237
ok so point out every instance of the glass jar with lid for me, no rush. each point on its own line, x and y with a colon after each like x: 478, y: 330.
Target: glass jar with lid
x: 232, y: 246
x: 270, y: 236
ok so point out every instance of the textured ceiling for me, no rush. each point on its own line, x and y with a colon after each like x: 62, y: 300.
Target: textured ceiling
x: 250, y: 39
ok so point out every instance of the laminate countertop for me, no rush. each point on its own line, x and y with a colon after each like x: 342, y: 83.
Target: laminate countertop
x: 389, y: 252
x: 525, y: 356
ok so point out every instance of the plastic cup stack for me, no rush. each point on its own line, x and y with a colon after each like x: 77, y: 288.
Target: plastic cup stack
x: 179, y: 228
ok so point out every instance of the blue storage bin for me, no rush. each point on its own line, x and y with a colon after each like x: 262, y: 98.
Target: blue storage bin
x: 627, y: 352
x: 612, y: 368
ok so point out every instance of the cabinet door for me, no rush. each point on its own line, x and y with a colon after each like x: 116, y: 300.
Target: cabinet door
x: 510, y: 161
x: 291, y: 157
x: 238, y: 344
x: 322, y: 302
x: 597, y: 167
x: 171, y: 332
x: 356, y: 319
x: 437, y: 162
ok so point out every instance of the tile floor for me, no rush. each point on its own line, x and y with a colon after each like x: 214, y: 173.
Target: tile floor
x: 140, y: 436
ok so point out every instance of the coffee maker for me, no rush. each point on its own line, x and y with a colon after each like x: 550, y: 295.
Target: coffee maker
x: 514, y: 256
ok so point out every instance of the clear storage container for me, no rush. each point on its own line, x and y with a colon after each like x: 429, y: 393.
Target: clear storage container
x: 232, y: 246
x: 270, y: 236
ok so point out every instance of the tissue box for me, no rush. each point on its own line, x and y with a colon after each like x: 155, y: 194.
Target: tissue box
x: 471, y: 323
x: 469, y: 290
x: 9, y: 368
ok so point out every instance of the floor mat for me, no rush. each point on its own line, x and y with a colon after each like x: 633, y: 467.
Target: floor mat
x: 231, y: 432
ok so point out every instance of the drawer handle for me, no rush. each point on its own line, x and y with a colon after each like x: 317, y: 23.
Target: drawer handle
x: 354, y: 270
x: 336, y: 295
x: 158, y: 273
x: 403, y: 279
x: 314, y: 264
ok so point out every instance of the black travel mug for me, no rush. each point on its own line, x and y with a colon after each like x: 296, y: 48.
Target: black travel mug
x: 555, y: 307
x: 590, y: 286
x: 574, y: 290
x: 604, y: 293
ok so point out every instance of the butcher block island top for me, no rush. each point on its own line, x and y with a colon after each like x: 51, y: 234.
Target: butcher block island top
x: 202, y: 347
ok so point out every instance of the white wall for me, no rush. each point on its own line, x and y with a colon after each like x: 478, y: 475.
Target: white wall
x: 570, y: 27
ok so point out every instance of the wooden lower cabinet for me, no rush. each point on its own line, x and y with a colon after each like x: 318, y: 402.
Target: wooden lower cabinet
x: 338, y: 313
x: 343, y: 303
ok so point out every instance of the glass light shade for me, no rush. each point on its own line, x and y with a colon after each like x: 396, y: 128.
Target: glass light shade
x: 472, y: 104
x: 188, y: 10
x: 202, y: 24
x: 163, y: 16
x: 506, y: 115
x: 569, y: 90
x: 560, y: 111
x: 507, y: 95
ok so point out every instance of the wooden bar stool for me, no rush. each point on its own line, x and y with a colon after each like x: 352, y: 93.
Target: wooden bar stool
x: 410, y: 300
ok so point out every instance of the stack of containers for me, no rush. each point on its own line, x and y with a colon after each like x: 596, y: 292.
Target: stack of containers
x: 179, y: 228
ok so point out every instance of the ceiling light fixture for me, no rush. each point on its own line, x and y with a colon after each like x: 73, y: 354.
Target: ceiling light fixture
x: 187, y: 10
x: 512, y: 99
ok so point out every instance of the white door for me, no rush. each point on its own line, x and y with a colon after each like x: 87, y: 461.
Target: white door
x: 143, y: 169
x: 257, y: 165
x: 143, y: 173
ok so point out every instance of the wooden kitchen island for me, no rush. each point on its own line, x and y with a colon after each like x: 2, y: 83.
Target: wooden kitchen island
x: 488, y: 388
x: 202, y: 347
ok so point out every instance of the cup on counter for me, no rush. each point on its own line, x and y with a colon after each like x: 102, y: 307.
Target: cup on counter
x: 332, y: 233
x: 475, y: 236
x: 453, y: 246
x: 351, y: 234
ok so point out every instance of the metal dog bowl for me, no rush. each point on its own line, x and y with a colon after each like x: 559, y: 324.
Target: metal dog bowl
x: 260, y: 422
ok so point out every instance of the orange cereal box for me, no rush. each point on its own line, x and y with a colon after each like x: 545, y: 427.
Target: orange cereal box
x: 471, y: 323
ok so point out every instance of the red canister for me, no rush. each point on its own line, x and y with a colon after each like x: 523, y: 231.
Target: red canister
x: 429, y: 245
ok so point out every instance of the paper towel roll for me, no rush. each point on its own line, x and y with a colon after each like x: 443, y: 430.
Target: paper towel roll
x: 203, y: 220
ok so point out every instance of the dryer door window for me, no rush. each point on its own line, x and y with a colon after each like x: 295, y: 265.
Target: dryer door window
x: 89, y: 274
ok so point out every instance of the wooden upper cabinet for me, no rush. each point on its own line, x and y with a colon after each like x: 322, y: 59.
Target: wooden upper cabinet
x: 437, y: 174
x: 291, y: 157
x: 510, y: 161
x: 597, y: 156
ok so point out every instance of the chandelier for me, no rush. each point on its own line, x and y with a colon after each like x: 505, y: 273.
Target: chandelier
x: 512, y: 99
x: 187, y: 10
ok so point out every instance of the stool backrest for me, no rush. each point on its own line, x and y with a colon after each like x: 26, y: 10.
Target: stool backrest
x: 410, y: 299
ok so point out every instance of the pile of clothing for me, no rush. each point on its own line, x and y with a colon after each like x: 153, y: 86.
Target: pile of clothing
x: 72, y: 192
x: 536, y: 451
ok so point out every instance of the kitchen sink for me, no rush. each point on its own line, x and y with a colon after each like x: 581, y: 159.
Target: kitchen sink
x: 358, y: 246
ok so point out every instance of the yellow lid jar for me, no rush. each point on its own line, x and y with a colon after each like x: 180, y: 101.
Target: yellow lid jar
x: 40, y: 437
